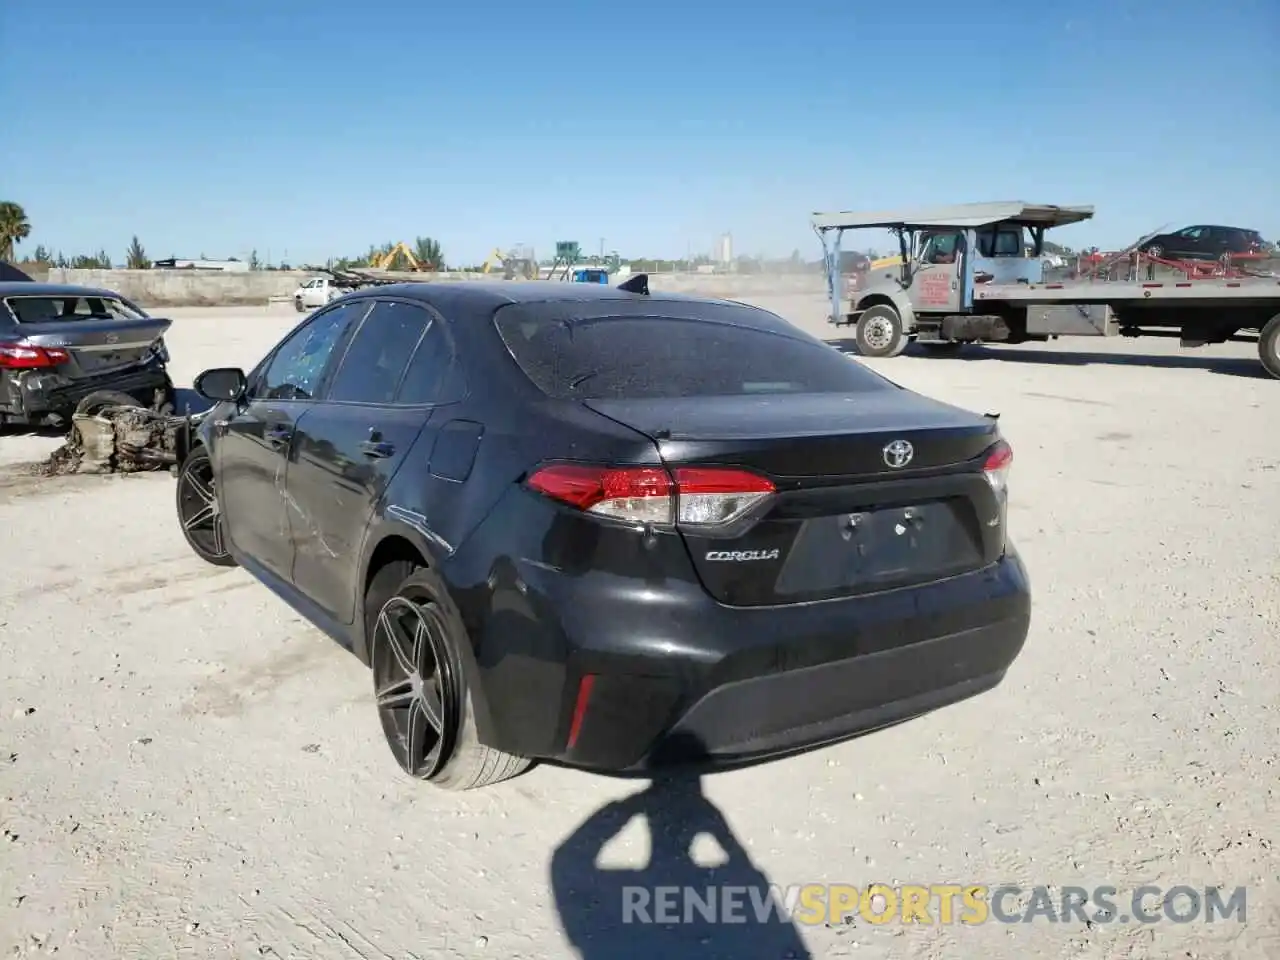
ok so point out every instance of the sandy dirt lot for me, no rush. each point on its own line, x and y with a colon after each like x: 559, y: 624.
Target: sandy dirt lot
x: 187, y: 769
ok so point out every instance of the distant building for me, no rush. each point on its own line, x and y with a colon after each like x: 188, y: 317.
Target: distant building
x: 724, y: 250
x: 226, y: 266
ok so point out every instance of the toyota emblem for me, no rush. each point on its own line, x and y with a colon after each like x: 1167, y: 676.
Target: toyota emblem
x: 898, y: 454
x: 111, y: 338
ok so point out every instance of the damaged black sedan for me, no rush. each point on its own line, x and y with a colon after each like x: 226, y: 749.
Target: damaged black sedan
x: 67, y: 350
x: 607, y: 527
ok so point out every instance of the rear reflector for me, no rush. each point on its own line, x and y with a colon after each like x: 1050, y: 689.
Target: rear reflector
x: 21, y: 355
x: 580, y: 707
x: 996, y: 467
x: 699, y: 497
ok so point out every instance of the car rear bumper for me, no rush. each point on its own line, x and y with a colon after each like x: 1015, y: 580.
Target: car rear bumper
x: 668, y: 678
x: 35, y: 394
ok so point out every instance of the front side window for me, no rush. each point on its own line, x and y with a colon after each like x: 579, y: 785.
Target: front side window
x: 941, y: 248
x: 297, y: 368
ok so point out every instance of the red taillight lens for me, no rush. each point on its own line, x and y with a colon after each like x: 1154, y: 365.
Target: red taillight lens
x: 639, y: 494
x: 998, y: 463
x: 27, y: 356
x: 695, y: 496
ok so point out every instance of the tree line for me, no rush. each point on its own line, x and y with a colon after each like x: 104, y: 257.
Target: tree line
x: 426, y: 251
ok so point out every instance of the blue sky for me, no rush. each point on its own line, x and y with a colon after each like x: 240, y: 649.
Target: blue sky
x: 317, y: 128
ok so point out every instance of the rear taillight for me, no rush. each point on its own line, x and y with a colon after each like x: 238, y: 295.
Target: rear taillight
x: 701, y: 498
x: 999, y: 461
x: 27, y: 356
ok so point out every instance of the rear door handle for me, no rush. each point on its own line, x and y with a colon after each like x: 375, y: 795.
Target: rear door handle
x: 376, y: 448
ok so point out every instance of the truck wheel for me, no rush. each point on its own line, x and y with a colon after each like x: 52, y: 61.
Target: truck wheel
x: 878, y: 332
x: 1269, y: 346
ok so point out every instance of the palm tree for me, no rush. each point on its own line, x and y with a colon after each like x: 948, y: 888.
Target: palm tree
x: 14, y: 228
x: 428, y: 253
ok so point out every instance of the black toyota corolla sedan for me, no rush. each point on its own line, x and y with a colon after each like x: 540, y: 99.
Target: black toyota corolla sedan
x: 609, y: 527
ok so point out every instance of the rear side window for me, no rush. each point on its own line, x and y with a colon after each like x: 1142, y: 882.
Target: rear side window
x: 652, y: 357
x: 376, y: 360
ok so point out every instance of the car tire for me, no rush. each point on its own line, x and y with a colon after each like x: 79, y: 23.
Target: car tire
x: 454, y: 757
x: 97, y: 401
x: 1155, y: 250
x: 1269, y: 346
x: 878, y: 332
x: 195, y: 495
x: 297, y: 305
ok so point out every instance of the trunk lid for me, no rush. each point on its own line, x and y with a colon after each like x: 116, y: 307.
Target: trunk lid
x: 98, y: 345
x: 843, y: 521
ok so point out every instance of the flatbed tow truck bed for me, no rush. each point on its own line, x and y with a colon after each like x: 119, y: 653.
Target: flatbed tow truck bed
x: 1198, y: 312
x: 1202, y: 292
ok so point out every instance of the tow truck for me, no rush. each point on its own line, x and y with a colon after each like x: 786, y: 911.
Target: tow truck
x: 974, y: 273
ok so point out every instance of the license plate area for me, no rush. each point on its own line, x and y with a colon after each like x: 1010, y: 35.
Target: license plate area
x: 878, y: 548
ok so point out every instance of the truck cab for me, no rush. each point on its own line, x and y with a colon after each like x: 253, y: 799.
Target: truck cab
x: 945, y: 253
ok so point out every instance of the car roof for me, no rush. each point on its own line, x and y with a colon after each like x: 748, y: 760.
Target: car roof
x: 483, y: 295
x: 27, y: 288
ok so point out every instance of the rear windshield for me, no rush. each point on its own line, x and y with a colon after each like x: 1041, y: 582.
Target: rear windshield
x: 48, y: 309
x: 653, y: 357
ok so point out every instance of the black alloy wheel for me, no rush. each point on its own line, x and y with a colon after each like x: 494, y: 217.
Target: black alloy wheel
x: 414, y: 684
x: 198, y: 510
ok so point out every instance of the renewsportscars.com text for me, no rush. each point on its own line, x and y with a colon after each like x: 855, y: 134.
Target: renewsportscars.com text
x: 931, y: 904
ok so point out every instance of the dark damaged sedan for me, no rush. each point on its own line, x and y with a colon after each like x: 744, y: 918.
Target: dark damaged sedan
x: 611, y: 528
x: 66, y: 348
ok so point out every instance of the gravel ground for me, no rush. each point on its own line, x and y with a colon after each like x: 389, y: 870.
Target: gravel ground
x: 187, y: 769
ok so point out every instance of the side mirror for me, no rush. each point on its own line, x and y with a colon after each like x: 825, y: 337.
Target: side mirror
x: 222, y: 384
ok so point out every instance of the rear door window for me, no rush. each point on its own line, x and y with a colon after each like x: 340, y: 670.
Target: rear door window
x: 379, y: 353
x: 654, y: 356
x: 425, y: 376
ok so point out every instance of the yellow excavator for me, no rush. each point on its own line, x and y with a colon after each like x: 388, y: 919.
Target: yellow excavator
x: 383, y: 261
x: 513, y: 267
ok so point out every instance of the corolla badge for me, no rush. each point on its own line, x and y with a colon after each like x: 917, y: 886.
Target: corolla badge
x: 739, y: 556
x: 898, y: 454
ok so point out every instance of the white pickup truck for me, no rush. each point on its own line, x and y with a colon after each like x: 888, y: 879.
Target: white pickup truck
x: 332, y: 284
x: 316, y: 292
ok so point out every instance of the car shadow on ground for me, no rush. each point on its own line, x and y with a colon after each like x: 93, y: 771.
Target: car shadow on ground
x: 1018, y: 353
x: 672, y: 907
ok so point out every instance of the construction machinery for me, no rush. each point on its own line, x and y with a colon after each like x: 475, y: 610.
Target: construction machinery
x: 517, y: 264
x: 383, y: 261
